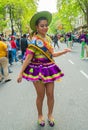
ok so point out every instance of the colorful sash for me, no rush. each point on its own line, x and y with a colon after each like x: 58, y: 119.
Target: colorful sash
x: 43, y: 46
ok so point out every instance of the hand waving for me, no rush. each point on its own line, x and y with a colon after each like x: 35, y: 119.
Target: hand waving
x: 67, y: 50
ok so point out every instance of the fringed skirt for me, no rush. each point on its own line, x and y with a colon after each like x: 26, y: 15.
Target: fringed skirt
x: 45, y: 72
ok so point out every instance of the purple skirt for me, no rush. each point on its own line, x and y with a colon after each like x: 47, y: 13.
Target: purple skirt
x: 46, y: 72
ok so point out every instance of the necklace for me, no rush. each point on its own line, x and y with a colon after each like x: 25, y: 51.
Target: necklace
x: 46, y: 42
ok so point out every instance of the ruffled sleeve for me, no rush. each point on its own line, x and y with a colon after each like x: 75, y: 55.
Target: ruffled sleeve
x: 30, y: 50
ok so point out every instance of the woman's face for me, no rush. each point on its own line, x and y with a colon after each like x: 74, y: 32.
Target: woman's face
x: 42, y: 27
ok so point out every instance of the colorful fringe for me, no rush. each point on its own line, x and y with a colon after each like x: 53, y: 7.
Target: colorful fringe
x: 44, y: 72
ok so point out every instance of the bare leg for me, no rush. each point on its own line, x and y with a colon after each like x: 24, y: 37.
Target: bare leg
x: 50, y: 98
x: 40, y: 90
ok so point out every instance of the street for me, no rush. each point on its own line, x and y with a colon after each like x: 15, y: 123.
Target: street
x: 18, y: 101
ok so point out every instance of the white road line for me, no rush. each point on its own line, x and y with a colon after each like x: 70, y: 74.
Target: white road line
x: 84, y: 73
x: 71, y: 61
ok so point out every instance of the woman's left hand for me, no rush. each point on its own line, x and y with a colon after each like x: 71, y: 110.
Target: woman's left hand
x: 19, y: 79
x: 67, y: 50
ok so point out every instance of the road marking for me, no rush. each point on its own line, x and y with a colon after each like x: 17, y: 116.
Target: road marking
x: 71, y: 61
x: 84, y: 73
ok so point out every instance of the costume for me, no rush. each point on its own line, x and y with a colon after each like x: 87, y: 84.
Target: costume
x: 42, y: 66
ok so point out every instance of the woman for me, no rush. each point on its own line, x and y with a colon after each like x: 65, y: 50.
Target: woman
x: 39, y: 66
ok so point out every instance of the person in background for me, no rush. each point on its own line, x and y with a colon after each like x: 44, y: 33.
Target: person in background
x: 4, y: 62
x: 10, y: 58
x: 28, y: 38
x: 24, y: 45
x: 18, y: 42
x: 86, y: 46
x: 40, y: 67
x: 9, y: 55
x: 55, y: 40
x: 14, y: 49
x: 83, y: 44
x: 70, y: 40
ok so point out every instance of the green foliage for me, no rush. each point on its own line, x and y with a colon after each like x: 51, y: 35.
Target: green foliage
x: 68, y: 10
x: 19, y: 13
x: 67, y: 14
x: 53, y: 25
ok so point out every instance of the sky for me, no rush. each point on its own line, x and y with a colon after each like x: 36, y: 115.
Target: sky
x: 48, y: 5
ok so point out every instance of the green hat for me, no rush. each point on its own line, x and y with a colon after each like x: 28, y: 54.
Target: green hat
x: 38, y: 15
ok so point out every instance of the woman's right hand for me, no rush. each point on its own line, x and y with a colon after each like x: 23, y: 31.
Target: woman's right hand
x: 19, y: 79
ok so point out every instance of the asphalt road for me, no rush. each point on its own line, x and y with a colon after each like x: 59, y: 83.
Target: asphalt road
x: 17, y: 101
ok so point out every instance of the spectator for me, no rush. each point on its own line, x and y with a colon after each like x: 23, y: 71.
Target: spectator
x: 18, y: 42
x: 55, y: 40
x: 24, y: 45
x: 4, y: 62
x: 14, y: 48
x: 86, y: 40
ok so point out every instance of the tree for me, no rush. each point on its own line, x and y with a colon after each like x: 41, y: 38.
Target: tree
x: 3, y: 21
x: 53, y: 26
x: 19, y: 15
x: 84, y: 7
x: 67, y: 12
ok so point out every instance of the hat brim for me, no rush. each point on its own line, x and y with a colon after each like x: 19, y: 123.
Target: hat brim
x: 36, y: 16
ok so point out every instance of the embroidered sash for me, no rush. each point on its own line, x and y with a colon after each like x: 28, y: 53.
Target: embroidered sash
x: 41, y: 45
